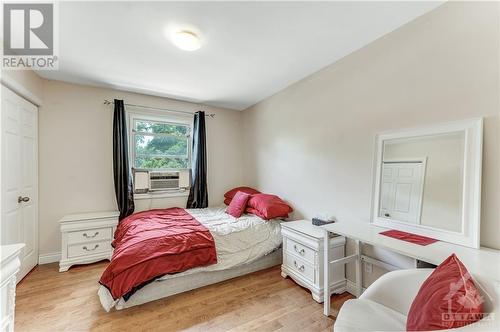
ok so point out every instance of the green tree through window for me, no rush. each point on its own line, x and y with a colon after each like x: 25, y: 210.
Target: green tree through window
x: 161, y: 145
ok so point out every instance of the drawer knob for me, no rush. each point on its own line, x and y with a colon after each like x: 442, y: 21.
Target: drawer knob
x: 87, y: 249
x: 301, y: 251
x: 90, y: 236
x: 300, y: 268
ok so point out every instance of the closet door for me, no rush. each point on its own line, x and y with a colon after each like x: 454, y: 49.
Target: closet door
x: 19, y: 182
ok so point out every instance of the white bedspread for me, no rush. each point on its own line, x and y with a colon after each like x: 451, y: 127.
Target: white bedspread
x: 238, y: 241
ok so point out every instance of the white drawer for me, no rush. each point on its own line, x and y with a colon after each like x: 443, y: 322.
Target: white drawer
x: 299, y: 267
x: 300, y: 250
x: 93, y: 234
x: 84, y: 249
x: 5, y: 298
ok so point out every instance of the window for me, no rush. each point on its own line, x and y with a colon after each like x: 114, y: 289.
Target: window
x: 158, y: 144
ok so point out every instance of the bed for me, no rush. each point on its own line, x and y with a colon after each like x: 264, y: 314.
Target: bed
x: 243, y: 245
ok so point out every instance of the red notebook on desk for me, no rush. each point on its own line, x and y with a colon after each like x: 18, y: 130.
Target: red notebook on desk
x: 409, y: 237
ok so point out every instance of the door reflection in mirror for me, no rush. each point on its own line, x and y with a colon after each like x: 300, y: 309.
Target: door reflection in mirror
x: 401, y: 190
x: 422, y: 180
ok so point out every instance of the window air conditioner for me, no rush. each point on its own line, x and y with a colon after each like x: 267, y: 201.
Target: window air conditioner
x: 163, y: 180
x: 145, y: 180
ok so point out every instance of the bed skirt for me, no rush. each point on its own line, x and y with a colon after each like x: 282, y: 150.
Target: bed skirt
x: 182, y: 283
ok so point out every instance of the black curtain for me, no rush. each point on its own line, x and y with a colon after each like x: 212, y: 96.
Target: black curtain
x: 123, y: 179
x: 198, y: 194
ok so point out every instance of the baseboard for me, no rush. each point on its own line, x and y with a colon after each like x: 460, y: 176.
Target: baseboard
x: 351, y: 287
x: 49, y: 258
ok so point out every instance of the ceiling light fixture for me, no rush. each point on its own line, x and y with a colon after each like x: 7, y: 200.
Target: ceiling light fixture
x: 186, y: 40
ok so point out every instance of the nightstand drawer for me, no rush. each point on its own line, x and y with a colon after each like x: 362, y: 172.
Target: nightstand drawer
x: 86, y: 237
x: 299, y: 267
x: 96, y: 234
x: 84, y: 249
x: 300, y: 250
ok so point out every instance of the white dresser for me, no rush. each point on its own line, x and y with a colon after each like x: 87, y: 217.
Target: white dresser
x: 87, y: 237
x: 9, y: 267
x: 303, y: 257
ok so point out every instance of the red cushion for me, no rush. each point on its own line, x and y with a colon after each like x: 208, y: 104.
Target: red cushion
x: 238, y: 204
x: 227, y: 201
x: 230, y: 194
x: 253, y: 211
x: 258, y: 214
x: 446, y: 300
x: 268, y: 206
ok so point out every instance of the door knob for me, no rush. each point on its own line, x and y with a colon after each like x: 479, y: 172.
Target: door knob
x: 23, y: 199
x: 387, y: 215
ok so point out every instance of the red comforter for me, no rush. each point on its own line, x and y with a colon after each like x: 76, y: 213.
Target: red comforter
x: 153, y: 243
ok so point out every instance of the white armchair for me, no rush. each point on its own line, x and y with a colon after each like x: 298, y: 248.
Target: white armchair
x: 384, y: 305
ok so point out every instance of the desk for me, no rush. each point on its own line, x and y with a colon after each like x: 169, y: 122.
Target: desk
x: 481, y: 262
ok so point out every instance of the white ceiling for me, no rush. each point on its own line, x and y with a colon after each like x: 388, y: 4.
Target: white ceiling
x: 250, y: 50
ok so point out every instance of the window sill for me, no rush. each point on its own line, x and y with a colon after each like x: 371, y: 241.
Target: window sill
x: 162, y: 194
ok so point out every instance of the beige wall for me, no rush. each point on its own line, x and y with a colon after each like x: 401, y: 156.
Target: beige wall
x: 75, y: 148
x: 313, y: 143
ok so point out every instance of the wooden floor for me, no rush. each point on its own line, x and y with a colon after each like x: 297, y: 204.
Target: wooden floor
x: 263, y: 301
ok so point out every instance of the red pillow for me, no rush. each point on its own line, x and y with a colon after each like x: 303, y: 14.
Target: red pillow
x: 238, y: 204
x: 230, y: 194
x: 446, y: 300
x: 227, y: 201
x: 268, y: 206
x: 253, y: 211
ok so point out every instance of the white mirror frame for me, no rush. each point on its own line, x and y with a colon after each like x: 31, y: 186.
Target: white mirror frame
x: 471, y: 191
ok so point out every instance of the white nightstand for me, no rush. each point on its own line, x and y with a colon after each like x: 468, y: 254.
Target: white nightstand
x: 87, y: 237
x: 9, y: 267
x: 303, y: 257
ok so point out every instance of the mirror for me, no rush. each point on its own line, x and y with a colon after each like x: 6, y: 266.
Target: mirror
x: 427, y: 181
x: 422, y: 180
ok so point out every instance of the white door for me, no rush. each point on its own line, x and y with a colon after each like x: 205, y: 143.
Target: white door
x: 402, y: 189
x: 19, y: 216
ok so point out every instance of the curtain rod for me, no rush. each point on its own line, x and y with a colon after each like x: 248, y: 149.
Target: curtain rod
x: 108, y: 102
